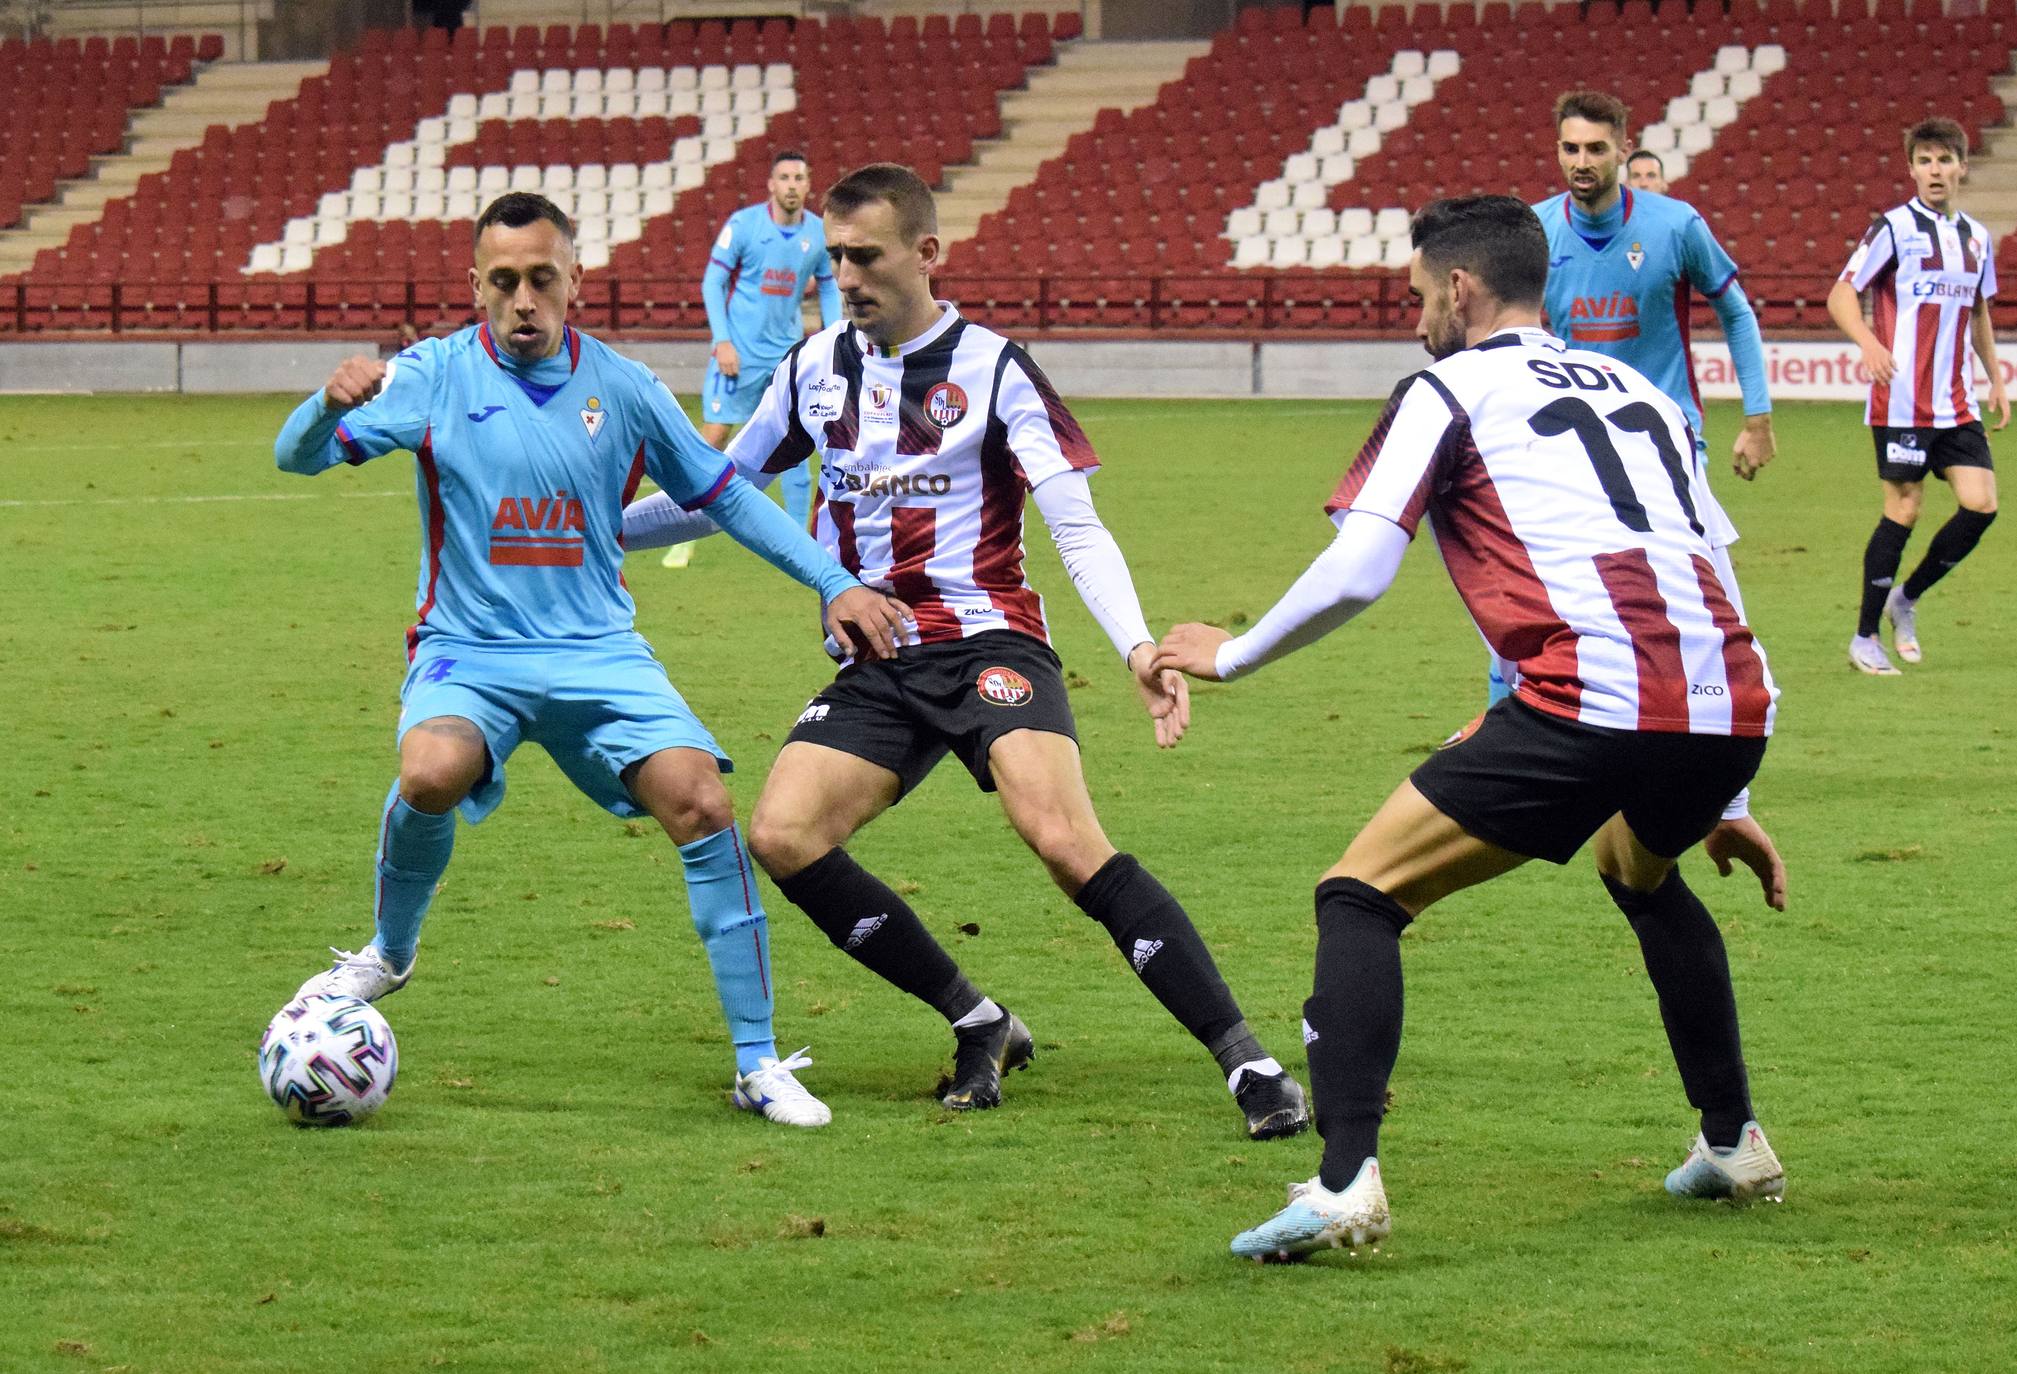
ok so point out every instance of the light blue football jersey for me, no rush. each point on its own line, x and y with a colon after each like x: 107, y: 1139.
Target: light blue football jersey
x: 1628, y: 299
x: 755, y: 278
x: 523, y: 471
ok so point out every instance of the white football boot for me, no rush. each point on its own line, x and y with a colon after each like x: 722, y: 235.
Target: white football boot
x: 364, y: 975
x: 1904, y: 617
x: 771, y: 1089
x: 1866, y: 655
x: 1744, y: 1173
x: 1319, y: 1219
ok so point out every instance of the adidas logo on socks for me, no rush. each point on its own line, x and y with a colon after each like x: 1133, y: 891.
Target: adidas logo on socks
x: 1145, y: 950
x: 865, y: 928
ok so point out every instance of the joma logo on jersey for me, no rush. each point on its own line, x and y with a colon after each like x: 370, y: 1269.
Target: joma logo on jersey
x: 886, y: 484
x: 1604, y: 319
x: 1004, y: 687
x: 538, y: 531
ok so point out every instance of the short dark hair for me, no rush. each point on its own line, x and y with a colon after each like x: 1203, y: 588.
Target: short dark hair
x: 1496, y: 239
x: 788, y: 155
x: 1596, y: 106
x: 1941, y: 133
x: 1647, y: 153
x: 516, y: 209
x: 895, y: 185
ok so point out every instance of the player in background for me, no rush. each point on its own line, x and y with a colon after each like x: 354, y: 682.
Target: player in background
x: 1645, y: 172
x: 932, y: 431
x: 1930, y: 272
x: 529, y: 437
x: 1564, y: 506
x: 1621, y: 264
x: 757, y: 272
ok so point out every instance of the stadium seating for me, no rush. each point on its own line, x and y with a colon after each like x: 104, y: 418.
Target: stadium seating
x: 1267, y: 188
x: 73, y: 97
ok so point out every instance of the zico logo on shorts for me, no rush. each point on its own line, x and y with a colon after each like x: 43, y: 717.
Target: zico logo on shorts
x: 1004, y: 687
x: 538, y: 531
x: 945, y: 404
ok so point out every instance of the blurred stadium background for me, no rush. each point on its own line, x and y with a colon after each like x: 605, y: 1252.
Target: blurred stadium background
x: 1123, y: 171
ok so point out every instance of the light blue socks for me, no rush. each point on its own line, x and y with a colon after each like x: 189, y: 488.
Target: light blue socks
x: 728, y: 913
x: 413, y: 850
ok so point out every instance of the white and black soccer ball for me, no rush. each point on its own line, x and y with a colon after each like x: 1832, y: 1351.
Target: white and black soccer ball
x: 328, y: 1061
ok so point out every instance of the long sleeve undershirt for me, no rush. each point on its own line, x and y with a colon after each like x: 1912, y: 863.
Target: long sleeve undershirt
x: 1350, y: 575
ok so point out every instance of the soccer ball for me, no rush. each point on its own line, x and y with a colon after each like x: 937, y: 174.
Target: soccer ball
x: 328, y: 1061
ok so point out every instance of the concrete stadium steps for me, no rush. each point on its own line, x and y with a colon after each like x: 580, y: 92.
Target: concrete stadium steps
x: 236, y: 20
x: 230, y: 93
x: 1037, y: 122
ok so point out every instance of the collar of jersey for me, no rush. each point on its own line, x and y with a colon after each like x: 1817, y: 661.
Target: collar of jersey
x: 948, y: 313
x: 1521, y: 334
x: 1950, y: 217
x: 1598, y: 224
x: 538, y: 380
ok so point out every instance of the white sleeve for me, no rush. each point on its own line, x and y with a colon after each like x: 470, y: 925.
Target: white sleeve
x: 1738, y: 806
x: 1347, y: 577
x: 1093, y: 559
x: 654, y: 521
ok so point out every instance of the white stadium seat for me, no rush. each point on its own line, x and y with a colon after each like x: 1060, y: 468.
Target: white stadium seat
x: 1290, y: 253
x: 592, y: 229
x: 749, y: 102
x: 1658, y: 137
x: 1720, y: 112
x: 1768, y: 60
x: 649, y: 104
x: 462, y: 130
x: 1733, y: 57
x: 331, y: 229
x: 682, y: 78
x: 555, y: 82
x: 299, y: 231
x: 587, y: 203
x: 621, y: 104
x: 523, y: 81
x: 434, y: 130
x: 714, y: 77
x: 1271, y: 195
x: 1409, y: 62
x: 522, y: 105
x: 1389, y: 115
x: 297, y: 258
x: 492, y: 181
x: 1328, y: 251
x: 1382, y: 88
x: 1707, y: 85
x: 585, y: 105
x: 717, y: 126
x: 651, y: 78
x: 1300, y: 167
x: 1335, y: 169
x: 746, y: 77
x: 494, y: 105
x: 658, y: 200
x: 525, y: 177
x: 682, y: 103
x: 715, y: 151
x: 1243, y: 223
x: 1444, y: 62
x: 626, y: 229
x: 430, y: 155
x: 1391, y: 223
x: 1355, y: 114
x: 626, y: 202
x: 619, y: 79
x: 1251, y: 252
x: 1363, y: 143
x: 594, y: 255
x: 366, y: 179
x: 591, y: 176
x: 1308, y: 195
x: 623, y: 177
x: 398, y: 205
x: 1320, y: 223
x: 1328, y: 140
x: 399, y: 155
x: 686, y: 152
x: 716, y: 103
x: 588, y: 81
x: 332, y: 203
x: 462, y: 105
x: 430, y: 205
x: 556, y: 176
x: 430, y: 179
x: 656, y: 175
x: 1281, y: 223
x: 461, y: 179
x: 1363, y: 253
x: 396, y: 179
x: 688, y: 176
x: 1398, y: 254
x: 1744, y: 85
x: 1696, y: 138
x: 1675, y: 164
x: 555, y: 104
x: 1684, y: 110
x: 563, y: 201
x: 1356, y: 223
x: 780, y: 102
x: 462, y: 205
x: 777, y: 76
x: 1417, y: 90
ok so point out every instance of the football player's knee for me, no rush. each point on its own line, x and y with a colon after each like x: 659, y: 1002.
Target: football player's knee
x: 696, y: 815
x: 782, y: 846
x: 434, y: 780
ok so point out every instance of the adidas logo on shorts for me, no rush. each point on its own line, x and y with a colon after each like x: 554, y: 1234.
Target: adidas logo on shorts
x: 1145, y: 950
x: 863, y: 929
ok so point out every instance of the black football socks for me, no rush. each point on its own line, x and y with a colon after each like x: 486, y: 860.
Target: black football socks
x: 867, y: 920
x: 1166, y: 952
x: 1880, y: 569
x: 1352, y: 1021
x: 1954, y: 541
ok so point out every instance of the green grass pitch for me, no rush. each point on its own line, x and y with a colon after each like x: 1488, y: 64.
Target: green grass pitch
x: 200, y: 667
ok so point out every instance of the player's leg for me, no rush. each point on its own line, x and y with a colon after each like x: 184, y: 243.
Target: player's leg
x: 1043, y: 792
x: 1964, y: 457
x: 1901, y: 467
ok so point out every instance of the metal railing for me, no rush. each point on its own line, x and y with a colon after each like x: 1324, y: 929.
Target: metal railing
x: 1362, y: 305
x: 138, y: 17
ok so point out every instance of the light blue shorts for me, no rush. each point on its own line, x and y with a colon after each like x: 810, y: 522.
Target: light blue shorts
x: 597, y: 708
x: 732, y: 400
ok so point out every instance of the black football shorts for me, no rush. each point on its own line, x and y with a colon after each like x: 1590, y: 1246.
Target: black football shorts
x: 1909, y: 455
x: 1541, y: 786
x: 955, y: 697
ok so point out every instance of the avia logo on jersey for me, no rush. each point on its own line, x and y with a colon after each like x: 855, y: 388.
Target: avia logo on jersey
x: 946, y: 404
x: 1954, y: 290
x: 1604, y: 319
x: 779, y: 283
x: 1005, y: 687
x: 538, y: 531
x: 887, y: 484
x: 592, y: 416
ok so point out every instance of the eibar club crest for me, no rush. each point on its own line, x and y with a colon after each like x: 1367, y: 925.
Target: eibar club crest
x: 1635, y: 255
x: 592, y: 416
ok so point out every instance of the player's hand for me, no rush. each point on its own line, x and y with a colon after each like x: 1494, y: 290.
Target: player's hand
x: 867, y: 624
x: 1878, y: 362
x: 1999, y: 401
x: 356, y: 382
x: 1755, y: 446
x: 1164, y: 692
x: 1744, y: 841
x: 1192, y: 649
x: 727, y: 359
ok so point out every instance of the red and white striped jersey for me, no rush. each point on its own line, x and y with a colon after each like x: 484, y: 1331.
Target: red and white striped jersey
x: 1566, y: 501
x: 1926, y: 274
x: 926, y: 453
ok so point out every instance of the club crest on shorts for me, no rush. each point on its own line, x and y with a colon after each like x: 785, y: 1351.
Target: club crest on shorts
x: 946, y: 404
x: 1004, y: 687
x: 592, y: 416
